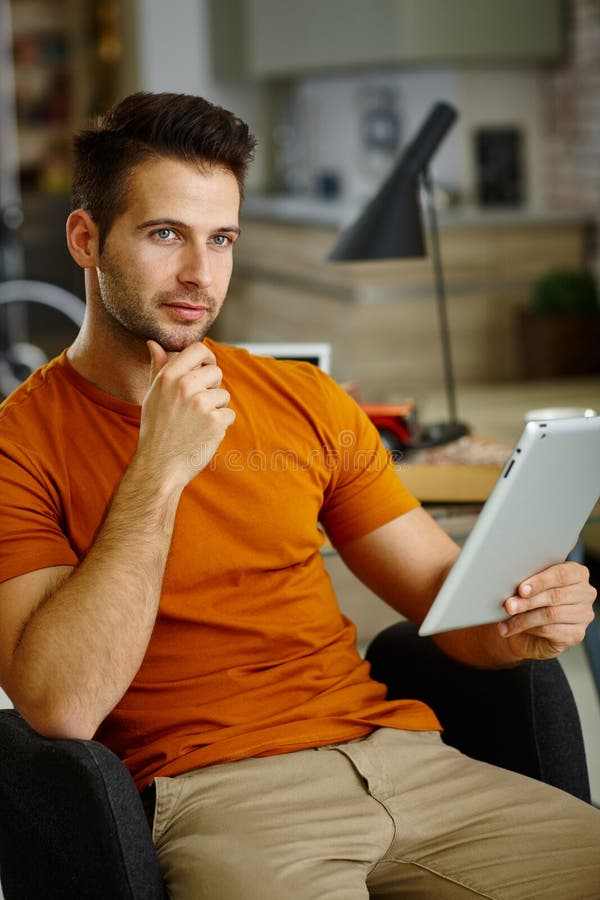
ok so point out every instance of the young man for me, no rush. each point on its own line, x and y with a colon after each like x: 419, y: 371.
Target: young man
x: 163, y: 588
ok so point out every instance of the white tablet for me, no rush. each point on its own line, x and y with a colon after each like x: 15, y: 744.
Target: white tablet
x: 531, y: 520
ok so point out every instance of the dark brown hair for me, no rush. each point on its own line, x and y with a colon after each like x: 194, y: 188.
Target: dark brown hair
x: 150, y: 126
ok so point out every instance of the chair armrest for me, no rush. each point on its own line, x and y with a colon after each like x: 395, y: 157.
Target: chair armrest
x: 72, y: 823
x: 524, y: 718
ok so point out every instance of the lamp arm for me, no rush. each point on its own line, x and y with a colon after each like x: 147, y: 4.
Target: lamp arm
x: 440, y: 292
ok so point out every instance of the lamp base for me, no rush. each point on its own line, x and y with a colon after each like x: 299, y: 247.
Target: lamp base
x: 438, y: 433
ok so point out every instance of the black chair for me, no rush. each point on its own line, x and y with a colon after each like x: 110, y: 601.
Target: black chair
x: 72, y: 826
x: 524, y: 719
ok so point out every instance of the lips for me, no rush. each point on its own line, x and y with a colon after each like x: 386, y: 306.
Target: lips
x: 187, y: 311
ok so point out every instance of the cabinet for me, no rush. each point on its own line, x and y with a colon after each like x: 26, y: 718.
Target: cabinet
x: 294, y: 38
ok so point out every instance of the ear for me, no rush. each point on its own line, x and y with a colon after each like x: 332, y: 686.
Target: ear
x: 82, y: 239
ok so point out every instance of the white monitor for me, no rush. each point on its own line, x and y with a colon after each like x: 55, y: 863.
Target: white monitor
x: 318, y: 354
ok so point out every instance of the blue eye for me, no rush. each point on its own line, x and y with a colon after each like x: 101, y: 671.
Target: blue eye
x: 221, y: 240
x: 164, y: 233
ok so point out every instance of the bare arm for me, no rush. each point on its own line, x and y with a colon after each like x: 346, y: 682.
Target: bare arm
x: 71, y: 641
x: 406, y: 561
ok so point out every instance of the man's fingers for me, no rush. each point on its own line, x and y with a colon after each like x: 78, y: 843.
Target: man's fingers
x: 158, y: 358
x: 191, y: 370
x: 576, y: 593
x: 192, y: 357
x: 563, y: 575
x: 557, y: 608
x: 219, y: 398
x: 544, y: 616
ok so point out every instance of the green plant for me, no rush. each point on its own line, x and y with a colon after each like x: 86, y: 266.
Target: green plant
x: 565, y: 292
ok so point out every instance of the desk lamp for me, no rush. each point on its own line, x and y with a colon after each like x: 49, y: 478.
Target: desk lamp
x: 390, y: 227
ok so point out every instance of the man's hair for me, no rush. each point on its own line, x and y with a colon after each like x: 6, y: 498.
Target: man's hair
x: 148, y: 126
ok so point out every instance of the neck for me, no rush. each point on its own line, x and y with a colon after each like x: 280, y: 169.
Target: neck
x: 110, y: 357
x: 107, y: 370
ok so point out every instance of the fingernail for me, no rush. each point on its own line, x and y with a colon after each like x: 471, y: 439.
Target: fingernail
x: 526, y: 590
x: 503, y: 629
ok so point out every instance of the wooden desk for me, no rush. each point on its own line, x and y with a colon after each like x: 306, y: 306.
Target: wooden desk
x: 464, y: 471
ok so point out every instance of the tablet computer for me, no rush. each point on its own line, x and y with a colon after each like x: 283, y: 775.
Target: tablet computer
x: 531, y: 520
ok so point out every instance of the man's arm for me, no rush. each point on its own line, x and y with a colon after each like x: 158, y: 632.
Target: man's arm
x: 72, y: 640
x: 406, y: 561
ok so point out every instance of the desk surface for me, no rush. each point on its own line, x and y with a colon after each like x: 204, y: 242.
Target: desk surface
x: 463, y: 471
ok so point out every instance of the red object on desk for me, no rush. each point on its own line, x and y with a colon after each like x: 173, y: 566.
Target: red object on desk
x: 396, y: 419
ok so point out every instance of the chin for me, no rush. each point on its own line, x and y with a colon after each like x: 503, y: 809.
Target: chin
x: 175, y: 343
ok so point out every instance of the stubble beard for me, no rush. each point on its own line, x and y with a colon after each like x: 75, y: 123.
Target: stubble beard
x: 127, y: 310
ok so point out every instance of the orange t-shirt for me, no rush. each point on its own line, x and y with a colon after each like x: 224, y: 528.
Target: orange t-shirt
x: 250, y: 654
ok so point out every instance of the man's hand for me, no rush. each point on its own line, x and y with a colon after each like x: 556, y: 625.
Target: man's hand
x: 550, y: 612
x: 185, y: 413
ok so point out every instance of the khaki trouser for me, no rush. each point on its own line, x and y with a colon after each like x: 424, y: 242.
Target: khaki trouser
x: 395, y: 814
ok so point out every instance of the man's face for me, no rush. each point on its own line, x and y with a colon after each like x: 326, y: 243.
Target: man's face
x: 166, y: 264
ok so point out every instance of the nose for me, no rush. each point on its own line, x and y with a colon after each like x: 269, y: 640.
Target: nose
x: 196, y: 267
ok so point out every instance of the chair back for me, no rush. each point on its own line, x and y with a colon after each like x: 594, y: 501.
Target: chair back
x: 72, y: 825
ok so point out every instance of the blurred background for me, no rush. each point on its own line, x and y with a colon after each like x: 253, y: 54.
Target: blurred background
x: 334, y: 91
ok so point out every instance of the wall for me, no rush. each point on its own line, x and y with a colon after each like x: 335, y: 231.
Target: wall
x: 326, y: 113
x: 572, y: 115
x: 174, y: 53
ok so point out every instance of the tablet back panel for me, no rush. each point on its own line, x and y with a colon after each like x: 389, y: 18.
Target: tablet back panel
x: 531, y: 520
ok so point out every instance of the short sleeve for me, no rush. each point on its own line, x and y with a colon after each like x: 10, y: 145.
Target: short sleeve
x: 365, y: 490
x: 31, y: 528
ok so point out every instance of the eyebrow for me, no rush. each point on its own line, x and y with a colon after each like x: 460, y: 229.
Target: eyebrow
x: 177, y: 223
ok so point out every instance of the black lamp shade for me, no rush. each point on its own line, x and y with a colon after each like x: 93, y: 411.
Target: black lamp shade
x: 390, y: 227
x: 386, y: 230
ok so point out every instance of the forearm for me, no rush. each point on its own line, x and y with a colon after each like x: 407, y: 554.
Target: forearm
x: 481, y: 646
x: 83, y: 644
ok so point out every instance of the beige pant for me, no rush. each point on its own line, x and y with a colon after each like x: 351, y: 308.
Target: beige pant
x: 395, y: 814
